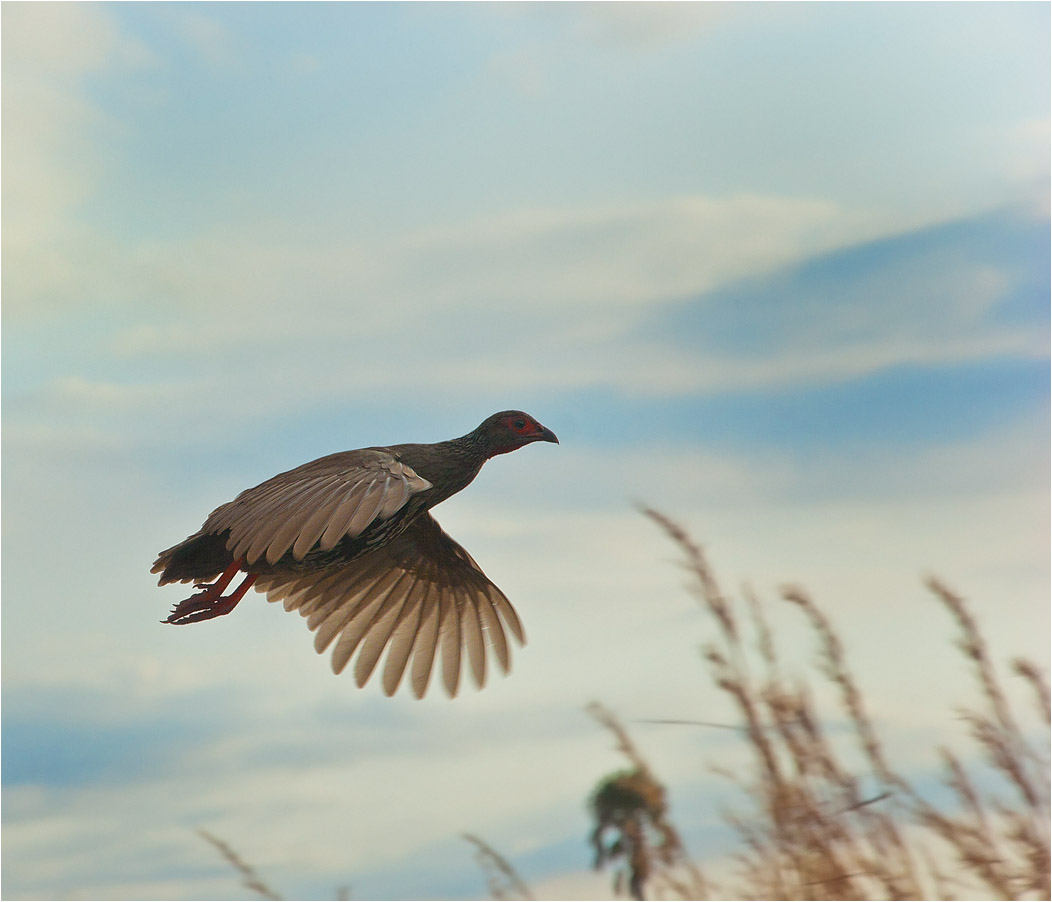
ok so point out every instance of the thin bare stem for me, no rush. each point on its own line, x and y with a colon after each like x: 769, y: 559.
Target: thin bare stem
x: 250, y: 878
x: 501, y: 877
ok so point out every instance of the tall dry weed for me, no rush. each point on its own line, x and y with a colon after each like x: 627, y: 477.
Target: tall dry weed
x: 817, y: 828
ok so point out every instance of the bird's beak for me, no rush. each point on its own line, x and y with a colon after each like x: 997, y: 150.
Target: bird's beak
x: 546, y: 435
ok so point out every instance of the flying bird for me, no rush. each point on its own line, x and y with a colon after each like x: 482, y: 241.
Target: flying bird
x: 348, y: 541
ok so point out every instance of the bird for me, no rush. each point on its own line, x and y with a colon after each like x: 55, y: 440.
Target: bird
x: 348, y: 540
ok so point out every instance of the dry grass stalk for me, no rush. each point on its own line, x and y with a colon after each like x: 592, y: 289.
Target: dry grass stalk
x: 997, y: 732
x: 502, y: 880
x: 800, y: 846
x: 814, y: 833
x: 251, y: 879
x: 1029, y: 672
x: 707, y: 589
x: 836, y: 670
x: 1006, y: 846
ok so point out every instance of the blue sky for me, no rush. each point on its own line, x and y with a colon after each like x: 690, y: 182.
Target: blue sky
x: 781, y: 271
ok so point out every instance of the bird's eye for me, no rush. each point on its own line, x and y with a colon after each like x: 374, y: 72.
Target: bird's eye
x: 520, y: 423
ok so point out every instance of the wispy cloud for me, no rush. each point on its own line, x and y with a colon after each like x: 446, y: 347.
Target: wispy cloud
x: 54, y: 142
x: 533, y: 259
x: 687, y: 299
x: 204, y: 34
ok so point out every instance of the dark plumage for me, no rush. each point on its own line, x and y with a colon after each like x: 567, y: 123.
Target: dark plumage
x: 347, y: 541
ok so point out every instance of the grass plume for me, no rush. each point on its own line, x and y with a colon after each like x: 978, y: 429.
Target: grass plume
x: 816, y: 828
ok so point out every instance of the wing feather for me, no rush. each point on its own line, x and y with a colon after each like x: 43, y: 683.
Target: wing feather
x: 416, y: 596
x: 471, y: 631
x: 397, y: 494
x: 336, y: 591
x: 339, y: 524
x: 507, y: 614
x: 449, y: 636
x: 404, y: 637
x: 426, y: 644
x: 242, y: 508
x: 494, y: 631
x: 298, y: 521
x: 371, y: 615
x: 376, y: 637
x: 368, y: 507
x: 323, y: 501
x: 315, y: 526
x: 353, y: 628
x: 260, y: 525
x: 335, y: 615
x: 273, y: 505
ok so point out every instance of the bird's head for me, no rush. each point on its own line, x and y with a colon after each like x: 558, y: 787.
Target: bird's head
x: 511, y: 429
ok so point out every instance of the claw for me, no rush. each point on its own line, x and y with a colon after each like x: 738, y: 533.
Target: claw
x: 202, y: 607
x: 211, y: 602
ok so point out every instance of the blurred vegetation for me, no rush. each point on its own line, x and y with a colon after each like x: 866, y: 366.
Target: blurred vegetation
x: 250, y: 879
x: 501, y: 878
x: 631, y: 805
x: 808, y: 829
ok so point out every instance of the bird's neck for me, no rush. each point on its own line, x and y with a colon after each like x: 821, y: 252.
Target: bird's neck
x: 449, y: 466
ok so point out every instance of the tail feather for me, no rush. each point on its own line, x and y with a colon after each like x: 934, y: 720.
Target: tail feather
x: 197, y: 558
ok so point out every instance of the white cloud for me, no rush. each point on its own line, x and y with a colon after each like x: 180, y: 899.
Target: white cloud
x: 570, y: 31
x: 542, y: 297
x: 659, y: 370
x: 52, y: 42
x: 588, y: 259
x: 79, y: 392
x: 538, y: 299
x: 208, y: 37
x: 607, y: 257
x: 1025, y: 159
x: 54, y: 141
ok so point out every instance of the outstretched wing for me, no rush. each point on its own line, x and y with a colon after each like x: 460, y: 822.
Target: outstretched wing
x: 316, y: 504
x: 418, y: 592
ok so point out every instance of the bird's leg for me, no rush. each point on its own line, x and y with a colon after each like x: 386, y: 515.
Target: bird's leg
x: 212, y: 602
x: 224, y: 580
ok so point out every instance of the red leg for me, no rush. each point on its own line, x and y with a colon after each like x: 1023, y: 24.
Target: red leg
x: 224, y: 579
x: 211, y: 602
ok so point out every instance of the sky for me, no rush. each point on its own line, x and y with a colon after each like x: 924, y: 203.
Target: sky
x: 780, y: 271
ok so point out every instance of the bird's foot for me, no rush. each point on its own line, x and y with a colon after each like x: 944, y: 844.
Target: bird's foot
x: 202, y: 606
x: 211, y: 602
